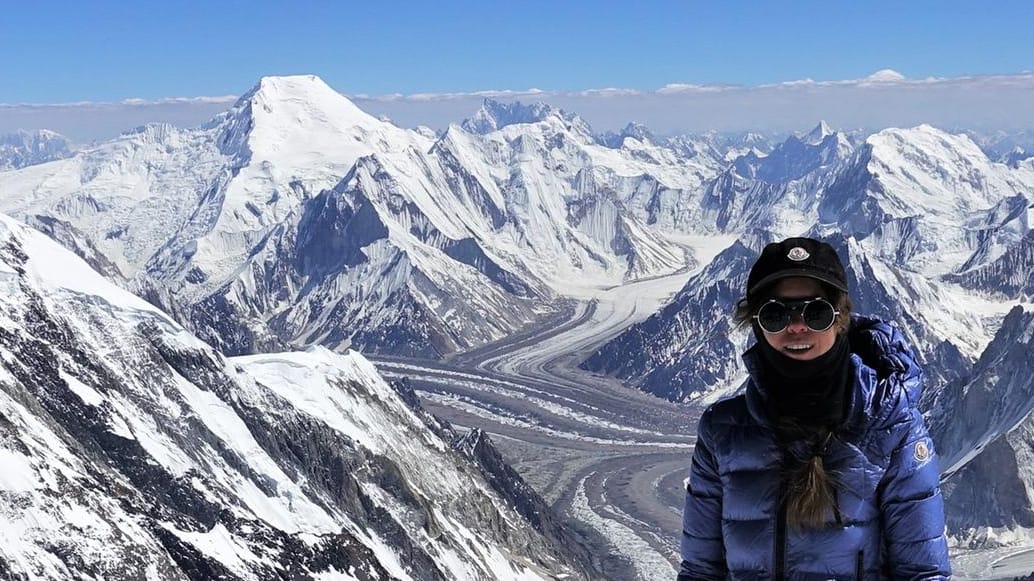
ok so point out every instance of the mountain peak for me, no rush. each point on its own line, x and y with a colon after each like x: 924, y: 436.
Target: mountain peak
x: 634, y: 130
x: 276, y: 93
x: 494, y: 115
x: 820, y: 132
x: 299, y: 113
x: 291, y: 83
x: 295, y: 79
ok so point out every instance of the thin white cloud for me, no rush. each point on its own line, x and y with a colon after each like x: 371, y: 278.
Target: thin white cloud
x: 424, y: 97
x: 225, y: 99
x: 884, y: 99
x: 610, y: 92
x: 685, y: 88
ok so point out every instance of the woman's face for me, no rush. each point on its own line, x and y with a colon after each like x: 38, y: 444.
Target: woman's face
x: 798, y: 341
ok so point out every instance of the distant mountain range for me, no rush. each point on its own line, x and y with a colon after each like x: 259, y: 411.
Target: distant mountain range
x: 295, y: 220
x: 25, y: 148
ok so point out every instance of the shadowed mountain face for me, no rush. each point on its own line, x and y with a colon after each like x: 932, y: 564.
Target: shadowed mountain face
x: 984, y: 430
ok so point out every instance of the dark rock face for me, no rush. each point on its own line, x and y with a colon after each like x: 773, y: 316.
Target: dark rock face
x: 221, y: 323
x: 469, y: 252
x: 329, y: 463
x: 1011, y: 275
x: 985, y: 416
x: 844, y: 201
x: 993, y: 482
x: 990, y: 399
x: 477, y: 446
x: 332, y: 232
x: 633, y: 130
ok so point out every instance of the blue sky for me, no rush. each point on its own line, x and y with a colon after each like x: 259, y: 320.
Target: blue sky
x: 67, y: 51
x: 91, y: 70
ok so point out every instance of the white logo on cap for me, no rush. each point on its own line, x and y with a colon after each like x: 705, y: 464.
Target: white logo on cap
x: 798, y: 254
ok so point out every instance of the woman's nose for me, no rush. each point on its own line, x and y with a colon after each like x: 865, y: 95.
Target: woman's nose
x: 797, y: 324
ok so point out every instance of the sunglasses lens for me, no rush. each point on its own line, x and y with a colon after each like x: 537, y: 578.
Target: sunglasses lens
x: 818, y: 315
x: 773, y: 317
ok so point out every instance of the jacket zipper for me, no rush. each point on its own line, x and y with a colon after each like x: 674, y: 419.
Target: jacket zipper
x: 837, y: 516
x: 860, y: 566
x: 780, y: 541
x: 779, y: 572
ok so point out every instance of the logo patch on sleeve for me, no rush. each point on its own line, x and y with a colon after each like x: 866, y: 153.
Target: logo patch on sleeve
x: 922, y: 451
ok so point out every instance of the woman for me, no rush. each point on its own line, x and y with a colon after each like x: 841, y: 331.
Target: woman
x: 823, y: 468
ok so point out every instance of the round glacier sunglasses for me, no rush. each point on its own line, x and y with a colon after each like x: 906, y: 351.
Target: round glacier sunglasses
x: 817, y: 313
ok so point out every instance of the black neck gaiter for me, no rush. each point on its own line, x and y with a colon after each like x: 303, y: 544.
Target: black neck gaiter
x: 811, y: 393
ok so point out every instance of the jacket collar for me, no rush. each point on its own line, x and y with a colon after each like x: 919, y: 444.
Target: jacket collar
x: 860, y: 401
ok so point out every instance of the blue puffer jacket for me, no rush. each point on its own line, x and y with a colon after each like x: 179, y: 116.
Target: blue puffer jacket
x: 890, y: 507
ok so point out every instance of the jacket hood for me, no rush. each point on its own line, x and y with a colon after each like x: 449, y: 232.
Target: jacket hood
x: 883, y: 348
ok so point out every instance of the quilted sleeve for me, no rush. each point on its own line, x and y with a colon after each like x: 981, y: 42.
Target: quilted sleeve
x: 912, y: 506
x: 702, y: 548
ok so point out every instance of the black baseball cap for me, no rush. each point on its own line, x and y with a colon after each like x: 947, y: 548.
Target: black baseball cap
x: 805, y: 257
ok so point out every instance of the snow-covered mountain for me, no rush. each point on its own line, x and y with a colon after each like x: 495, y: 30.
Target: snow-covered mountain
x: 778, y: 190
x: 494, y: 115
x: 296, y: 218
x: 795, y: 157
x: 635, y: 131
x: 1005, y: 147
x: 25, y: 148
x: 936, y: 237
x: 688, y: 347
x: 130, y: 449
